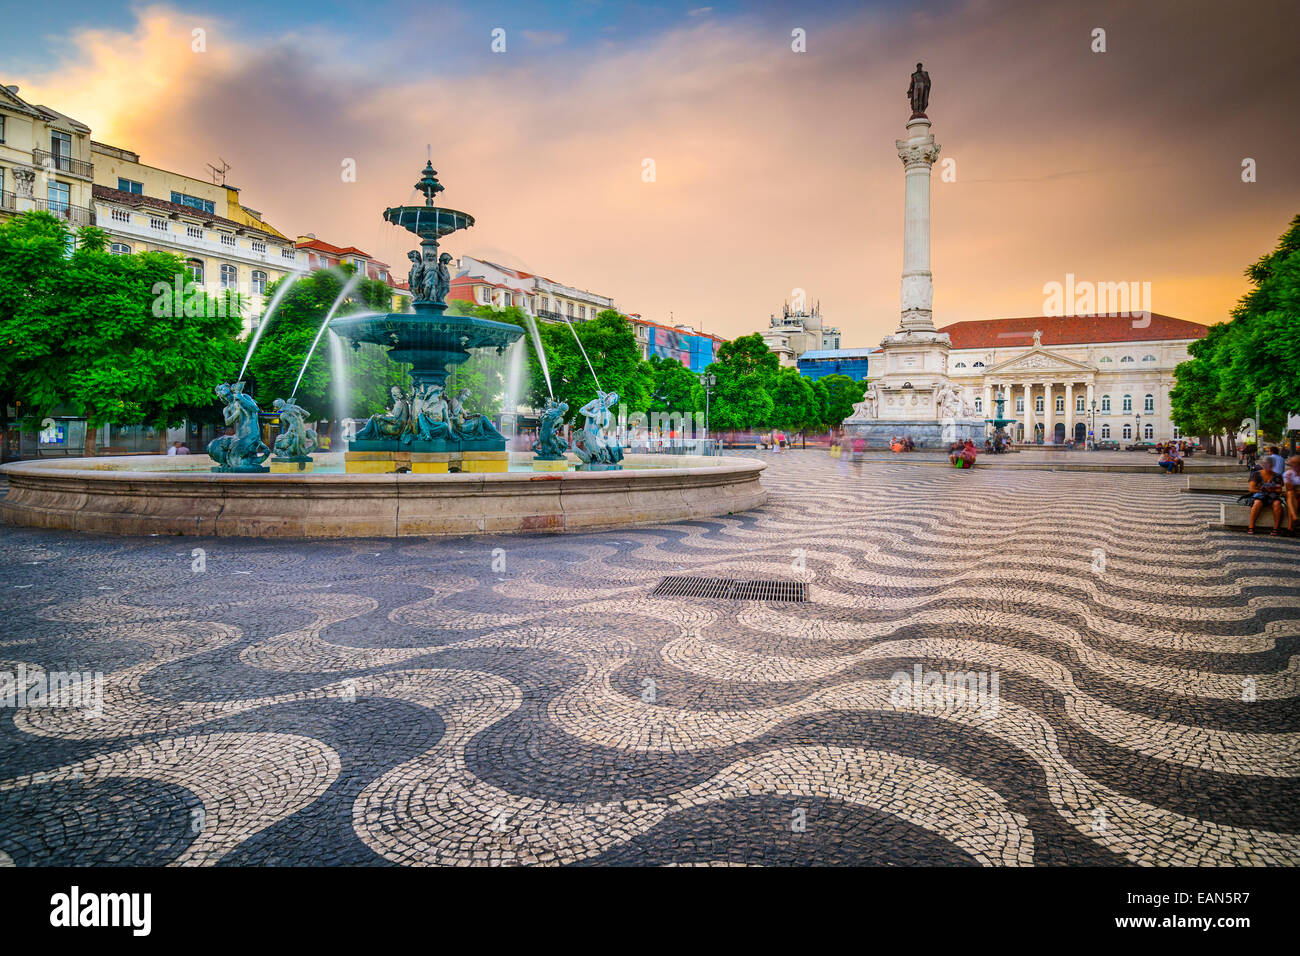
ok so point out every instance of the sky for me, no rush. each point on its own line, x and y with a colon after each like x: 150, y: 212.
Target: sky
x: 775, y: 172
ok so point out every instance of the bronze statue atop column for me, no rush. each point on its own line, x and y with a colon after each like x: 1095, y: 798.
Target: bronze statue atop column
x: 918, y: 91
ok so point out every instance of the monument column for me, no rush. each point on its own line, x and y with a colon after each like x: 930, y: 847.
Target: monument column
x: 918, y: 153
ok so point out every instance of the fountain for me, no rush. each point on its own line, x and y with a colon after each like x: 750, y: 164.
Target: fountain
x: 1000, y: 421
x: 423, y: 466
x: 416, y: 433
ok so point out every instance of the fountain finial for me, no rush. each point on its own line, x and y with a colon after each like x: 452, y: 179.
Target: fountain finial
x: 429, y: 184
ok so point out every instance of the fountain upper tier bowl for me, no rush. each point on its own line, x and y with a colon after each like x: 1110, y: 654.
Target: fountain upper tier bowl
x: 429, y: 222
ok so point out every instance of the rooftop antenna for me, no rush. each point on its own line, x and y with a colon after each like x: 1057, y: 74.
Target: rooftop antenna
x: 219, y: 172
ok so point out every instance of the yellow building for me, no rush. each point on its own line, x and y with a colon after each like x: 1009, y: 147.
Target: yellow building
x: 45, y: 161
x: 225, y: 244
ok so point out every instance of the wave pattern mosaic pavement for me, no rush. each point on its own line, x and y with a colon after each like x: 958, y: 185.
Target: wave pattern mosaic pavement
x: 524, y: 700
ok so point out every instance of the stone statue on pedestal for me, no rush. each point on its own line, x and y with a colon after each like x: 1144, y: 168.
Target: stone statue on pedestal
x: 244, y: 450
x: 868, y: 408
x: 591, y: 444
x: 296, y: 440
x: 471, y: 427
x: 918, y: 91
x: 431, y: 418
x: 389, y: 424
x: 550, y: 444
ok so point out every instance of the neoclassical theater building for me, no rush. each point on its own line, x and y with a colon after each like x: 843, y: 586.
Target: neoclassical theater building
x: 1063, y: 376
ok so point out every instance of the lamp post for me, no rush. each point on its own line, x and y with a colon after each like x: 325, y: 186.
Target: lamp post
x: 1138, y: 436
x: 1092, y: 427
x: 710, y: 381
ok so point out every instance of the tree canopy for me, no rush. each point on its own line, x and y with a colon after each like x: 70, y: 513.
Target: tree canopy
x: 1251, y: 362
x: 115, y: 338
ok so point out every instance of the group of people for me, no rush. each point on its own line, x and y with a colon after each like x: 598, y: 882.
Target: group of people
x: 997, y: 444
x: 900, y: 444
x: 1275, y: 484
x: 962, y: 454
x: 1171, y: 458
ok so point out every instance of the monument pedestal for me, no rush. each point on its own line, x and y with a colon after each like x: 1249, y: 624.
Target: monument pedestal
x: 291, y: 466
x: 556, y: 464
x: 931, y: 436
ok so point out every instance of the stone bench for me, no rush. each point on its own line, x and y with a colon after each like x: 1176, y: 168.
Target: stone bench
x: 1218, y: 484
x: 1238, y: 516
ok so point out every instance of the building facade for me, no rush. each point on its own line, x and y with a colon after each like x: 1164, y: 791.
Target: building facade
x: 226, y: 245
x: 1066, y: 377
x: 795, y: 332
x: 481, y: 282
x: 45, y: 161
x: 695, y: 350
x: 325, y: 255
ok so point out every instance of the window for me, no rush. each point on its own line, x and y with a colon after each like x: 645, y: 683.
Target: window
x: 119, y: 215
x: 960, y: 365
x: 1178, y: 432
x: 1128, y: 403
x: 1126, y: 358
x: 1060, y: 404
x: 979, y: 404
x: 159, y: 224
x: 1078, y: 404
x: 130, y: 186
x: 978, y: 365
x: 2, y: 128
x: 259, y: 282
x: 227, y: 239
x: 1038, y: 404
x: 1148, y: 432
x: 1105, y: 403
x: 120, y: 249
x: 229, y: 277
x: 1107, y: 358
x: 570, y: 310
x: 1128, y: 431
x: 194, y: 202
x: 1105, y: 431
x: 1020, y: 404
x: 1149, y: 404
x: 194, y: 232
x: 59, y: 196
x: 61, y: 148
x: 1148, y: 358
x: 195, y: 269
x: 480, y: 294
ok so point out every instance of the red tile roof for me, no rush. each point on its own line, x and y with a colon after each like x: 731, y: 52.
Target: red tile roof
x: 320, y: 245
x: 1070, y: 330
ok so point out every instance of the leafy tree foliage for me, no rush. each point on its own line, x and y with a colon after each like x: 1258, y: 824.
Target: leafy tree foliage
x: 745, y: 368
x: 1252, y: 361
x: 115, y: 338
x: 279, y: 355
x: 675, y: 389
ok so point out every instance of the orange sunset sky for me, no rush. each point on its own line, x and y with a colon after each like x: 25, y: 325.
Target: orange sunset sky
x: 775, y: 170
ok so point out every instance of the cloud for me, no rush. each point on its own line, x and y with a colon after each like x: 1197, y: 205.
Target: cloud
x: 775, y: 170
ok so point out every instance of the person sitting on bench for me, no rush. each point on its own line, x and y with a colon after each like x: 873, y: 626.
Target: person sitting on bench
x: 1265, y: 492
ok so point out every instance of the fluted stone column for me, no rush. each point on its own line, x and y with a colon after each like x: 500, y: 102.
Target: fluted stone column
x: 918, y: 153
x: 1069, y: 411
x: 1028, y: 420
x: 1049, y: 414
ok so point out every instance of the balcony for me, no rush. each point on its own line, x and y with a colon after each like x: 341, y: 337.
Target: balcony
x: 64, y: 164
x: 8, y: 202
x: 74, y: 215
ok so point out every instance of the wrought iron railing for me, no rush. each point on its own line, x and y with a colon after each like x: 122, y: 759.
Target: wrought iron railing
x: 76, y: 215
x: 64, y: 164
x: 8, y: 201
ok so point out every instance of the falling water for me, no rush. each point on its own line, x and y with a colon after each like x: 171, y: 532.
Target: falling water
x: 339, y: 379
x: 343, y: 294
x: 285, y: 286
x: 514, y: 384
x: 541, y: 356
x: 584, y: 352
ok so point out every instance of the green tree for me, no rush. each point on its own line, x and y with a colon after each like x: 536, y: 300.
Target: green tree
x: 842, y: 393
x: 745, y: 369
x: 675, y: 389
x: 1251, y: 364
x: 115, y: 338
x: 794, y: 402
x: 275, y: 364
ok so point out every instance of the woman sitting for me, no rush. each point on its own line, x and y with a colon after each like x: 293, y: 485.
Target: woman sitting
x: 1167, y: 463
x: 1265, y: 492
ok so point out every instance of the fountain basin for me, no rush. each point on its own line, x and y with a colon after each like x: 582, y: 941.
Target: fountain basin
x: 427, y: 338
x: 160, y: 494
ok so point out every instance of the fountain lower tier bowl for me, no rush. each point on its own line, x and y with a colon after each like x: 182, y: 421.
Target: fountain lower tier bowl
x: 429, y: 339
x: 177, y: 494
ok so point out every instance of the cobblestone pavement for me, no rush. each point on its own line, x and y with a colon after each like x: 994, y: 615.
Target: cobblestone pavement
x: 1127, y: 689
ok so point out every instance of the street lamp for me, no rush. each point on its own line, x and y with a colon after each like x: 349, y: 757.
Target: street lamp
x: 710, y: 382
x: 1138, y: 436
x: 1092, y: 427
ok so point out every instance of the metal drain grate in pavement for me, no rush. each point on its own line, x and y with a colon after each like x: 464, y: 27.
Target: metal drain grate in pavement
x: 731, y: 590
